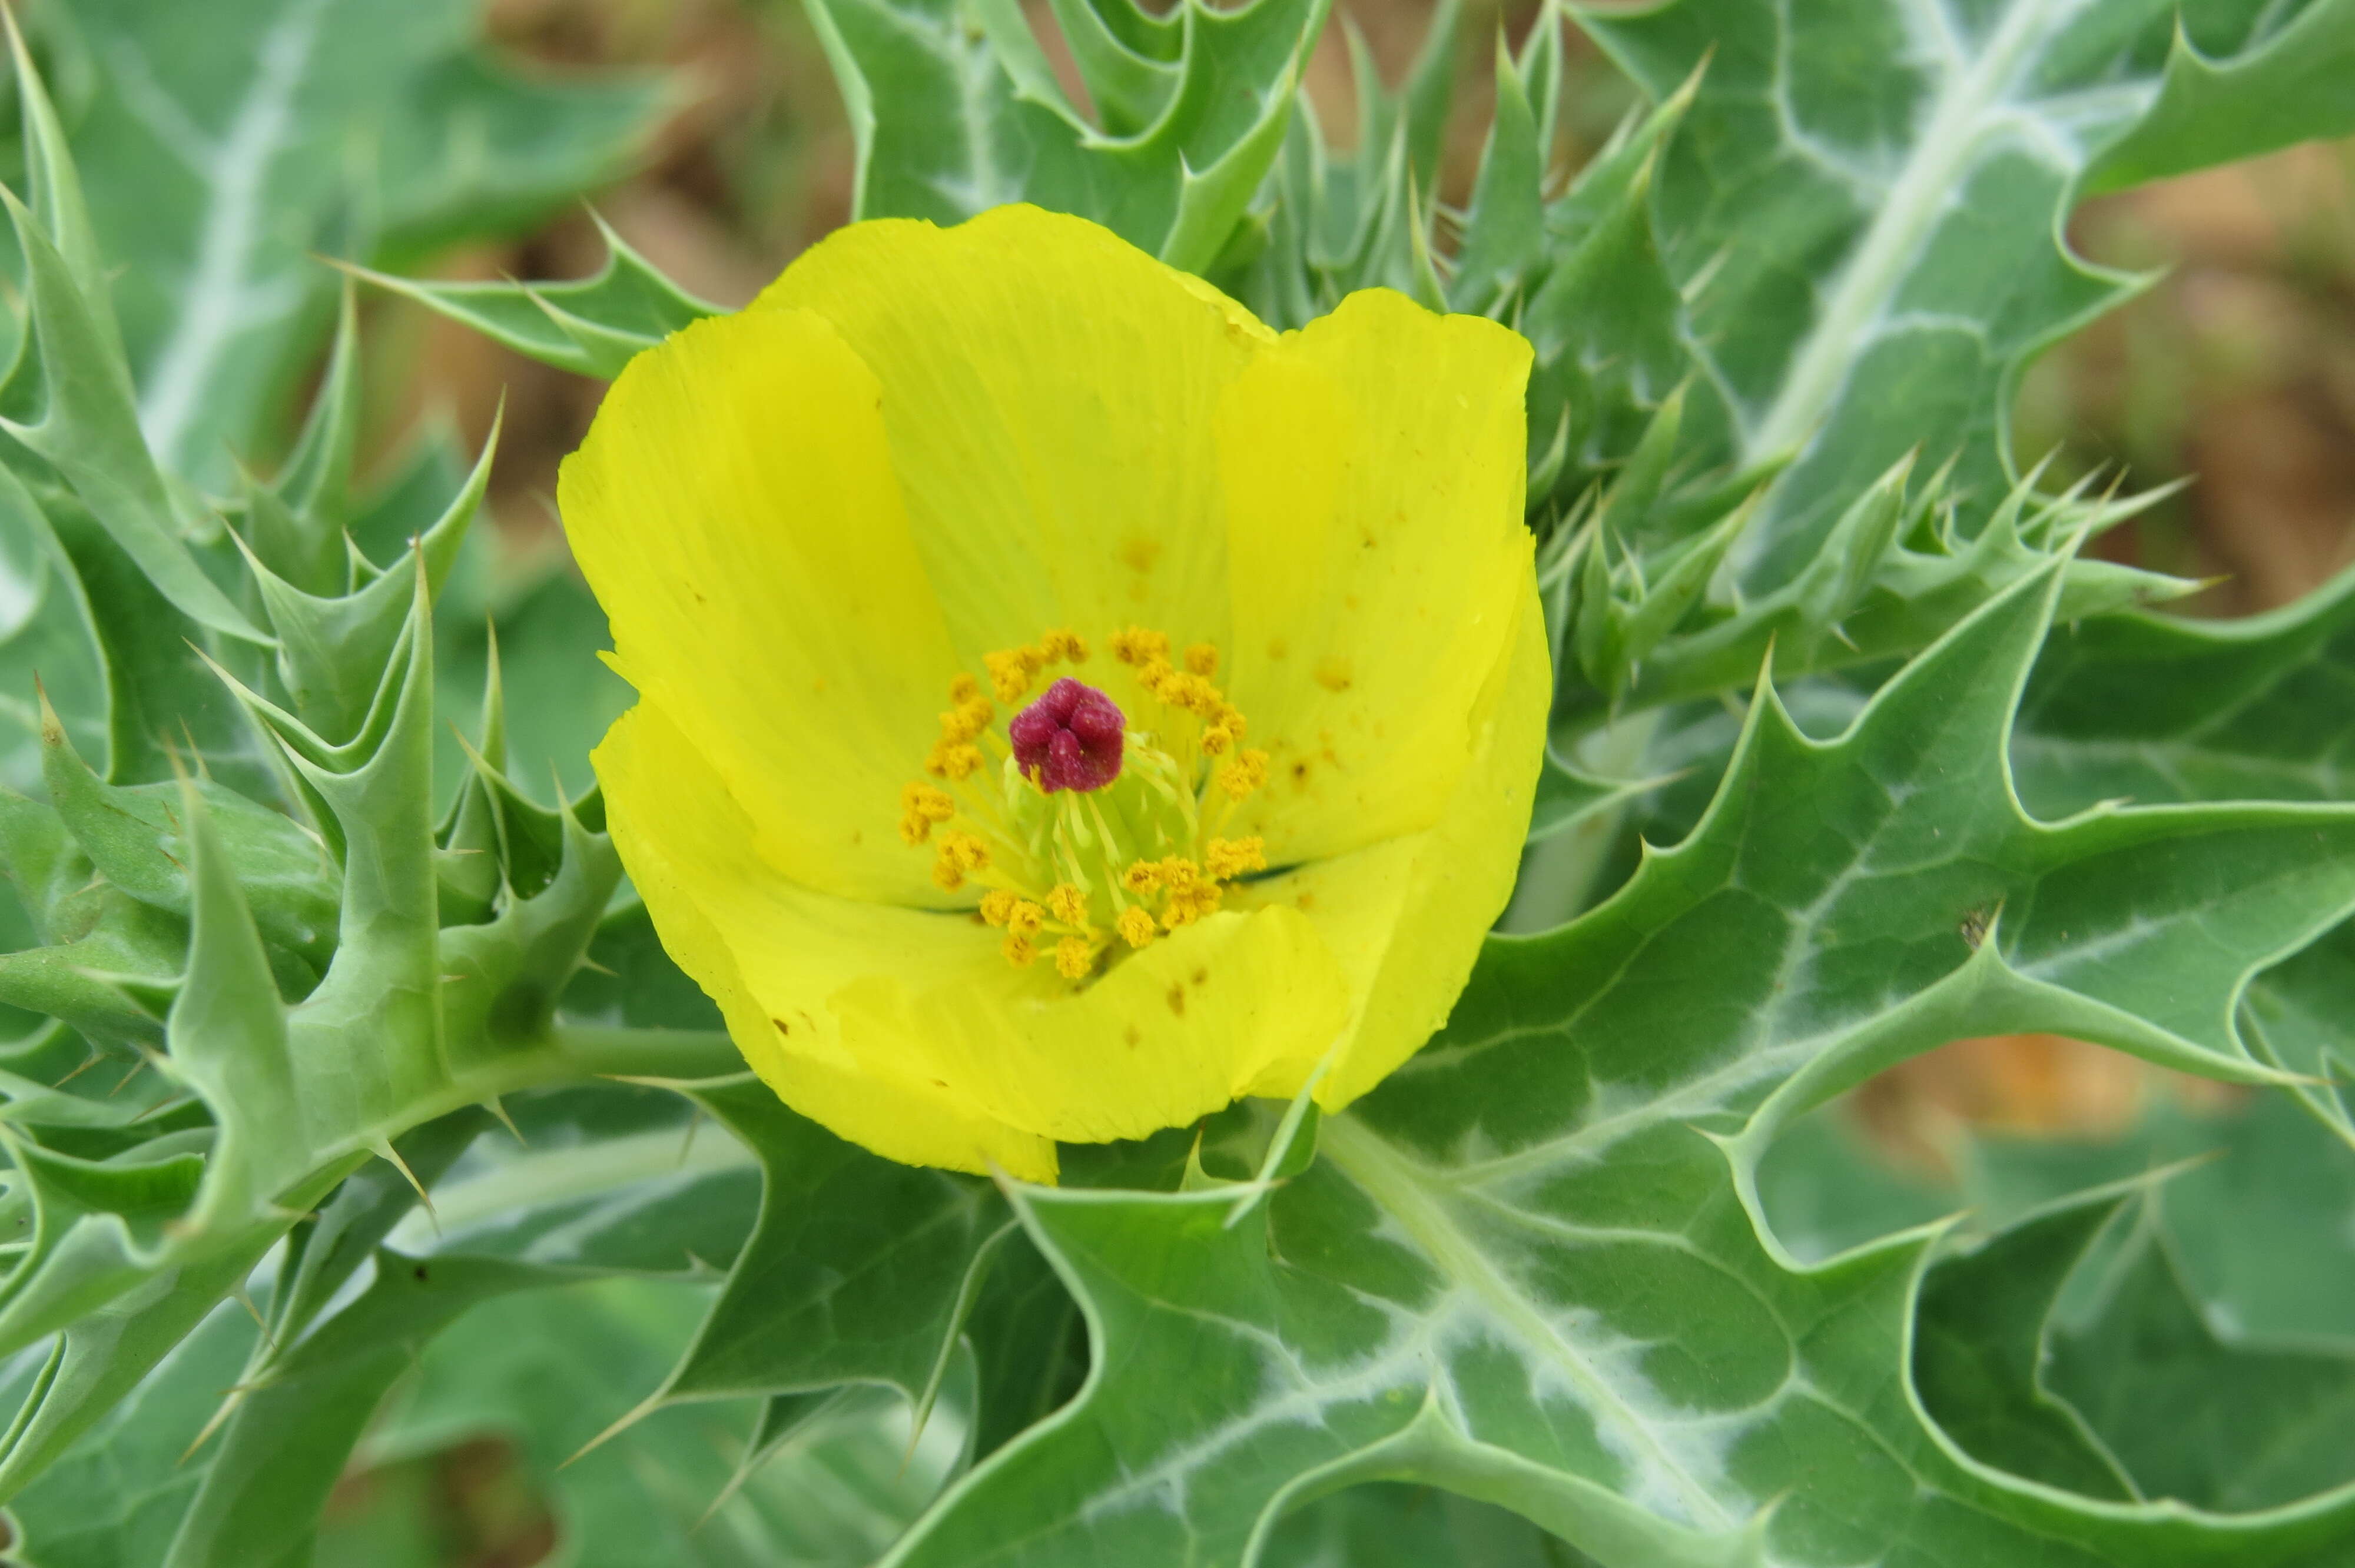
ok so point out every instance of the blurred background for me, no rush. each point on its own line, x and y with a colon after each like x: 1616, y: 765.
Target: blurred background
x: 2235, y: 365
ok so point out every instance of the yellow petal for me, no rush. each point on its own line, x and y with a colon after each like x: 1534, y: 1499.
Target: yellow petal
x: 1405, y: 918
x: 1049, y: 392
x: 773, y: 955
x: 1175, y: 1031
x: 1373, y: 467
x: 735, y: 511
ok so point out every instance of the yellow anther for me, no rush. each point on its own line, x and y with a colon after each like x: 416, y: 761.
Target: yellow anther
x: 1246, y: 773
x: 1137, y: 645
x: 1179, y: 872
x: 1190, y: 903
x: 1216, y: 740
x: 965, y: 721
x: 923, y: 801
x: 958, y: 853
x: 1010, y: 671
x: 997, y: 905
x: 1025, y: 919
x: 1228, y: 858
x: 1202, y: 660
x: 964, y: 689
x: 1064, y: 644
x: 1068, y: 904
x: 1154, y: 673
x: 952, y: 761
x: 1019, y: 951
x: 1231, y: 718
x: 1135, y: 925
x: 1144, y: 876
x: 1073, y: 958
x: 920, y: 806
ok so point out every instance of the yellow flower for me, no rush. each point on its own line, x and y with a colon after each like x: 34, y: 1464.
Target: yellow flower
x: 942, y: 466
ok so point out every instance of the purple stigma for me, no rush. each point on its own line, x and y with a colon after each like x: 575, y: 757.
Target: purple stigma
x: 1069, y: 739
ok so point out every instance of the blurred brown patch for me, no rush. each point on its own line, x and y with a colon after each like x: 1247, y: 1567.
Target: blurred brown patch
x: 471, y: 1505
x: 2237, y: 366
x: 1921, y: 1111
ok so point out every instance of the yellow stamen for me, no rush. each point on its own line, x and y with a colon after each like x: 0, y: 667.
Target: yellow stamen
x: 1068, y: 903
x: 966, y: 720
x: 923, y: 801
x: 1010, y: 671
x: 964, y: 689
x: 1064, y: 644
x: 1139, y: 645
x: 1246, y: 773
x: 1195, y: 901
x: 1025, y: 919
x: 1202, y: 660
x: 1229, y: 858
x: 1216, y: 740
x: 1135, y: 925
x: 997, y: 905
x: 954, y: 762
x: 1019, y: 951
x: 1072, y: 957
x: 959, y: 853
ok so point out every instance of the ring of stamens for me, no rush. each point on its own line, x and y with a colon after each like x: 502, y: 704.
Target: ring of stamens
x: 1089, y: 874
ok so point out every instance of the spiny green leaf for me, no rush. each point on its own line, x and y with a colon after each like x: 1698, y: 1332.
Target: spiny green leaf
x: 546, y: 1369
x: 66, y: 400
x: 49, y: 638
x: 137, y: 840
x: 592, y: 326
x: 1902, y: 572
x: 1979, y: 1352
x: 949, y: 122
x: 279, y: 1453
x: 1874, y: 195
x: 228, y: 144
x: 1567, y: 797
x: 2160, y: 708
x: 117, y: 1497
x: 2282, y: 79
x: 856, y: 1269
x: 1527, y: 1266
x: 2192, y: 1416
x: 615, y: 1178
x: 335, y: 645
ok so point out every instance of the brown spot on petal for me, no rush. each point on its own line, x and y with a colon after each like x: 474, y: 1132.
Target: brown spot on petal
x: 1134, y: 1036
x: 1177, y: 1000
x: 783, y: 1027
x: 1333, y: 674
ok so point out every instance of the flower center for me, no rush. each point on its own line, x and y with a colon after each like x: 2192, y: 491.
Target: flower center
x: 1090, y: 835
x: 1069, y: 739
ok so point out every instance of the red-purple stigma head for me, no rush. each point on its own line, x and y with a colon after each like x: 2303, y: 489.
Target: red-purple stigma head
x: 1069, y: 739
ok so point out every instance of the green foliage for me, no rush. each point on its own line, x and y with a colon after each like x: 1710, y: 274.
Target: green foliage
x: 222, y: 145
x: 1591, y: 1279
